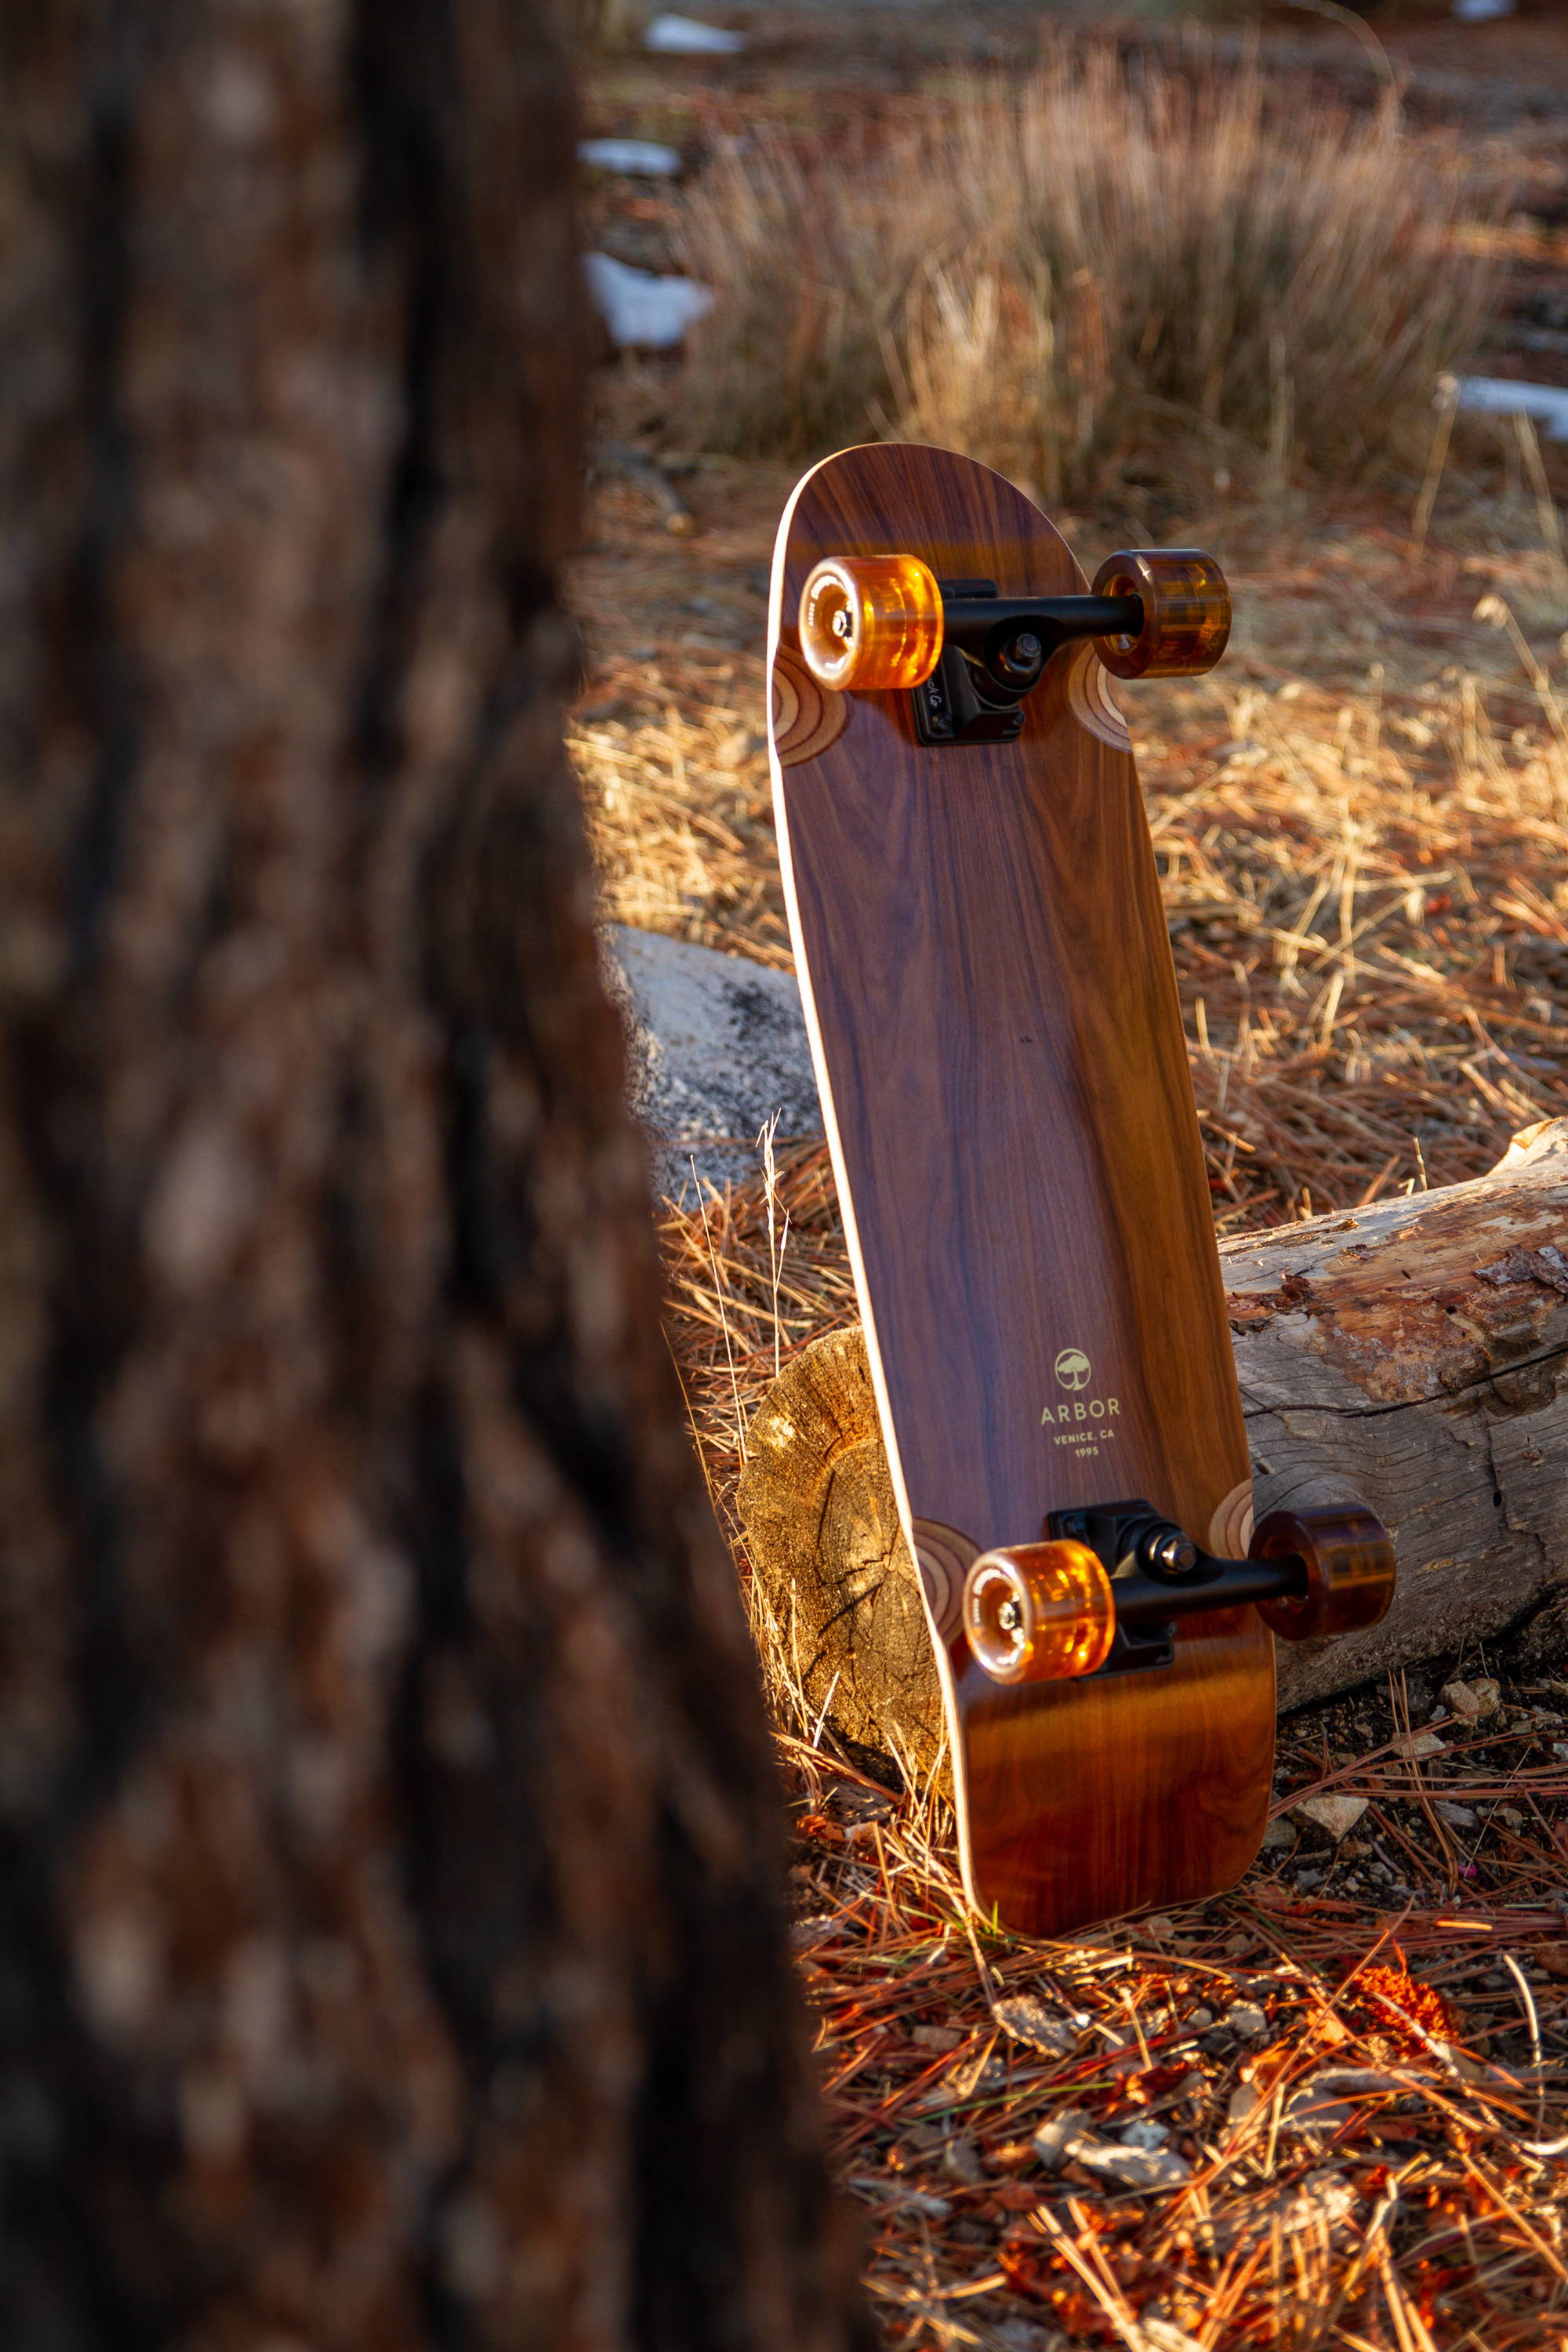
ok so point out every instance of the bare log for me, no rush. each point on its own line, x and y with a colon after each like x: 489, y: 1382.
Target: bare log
x: 1411, y: 1354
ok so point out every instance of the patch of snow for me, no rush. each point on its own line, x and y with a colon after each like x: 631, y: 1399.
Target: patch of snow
x: 683, y: 36
x: 644, y: 312
x: 645, y: 159
x: 1546, y: 403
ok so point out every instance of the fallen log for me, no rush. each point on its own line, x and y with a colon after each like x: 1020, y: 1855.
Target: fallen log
x: 1413, y: 1355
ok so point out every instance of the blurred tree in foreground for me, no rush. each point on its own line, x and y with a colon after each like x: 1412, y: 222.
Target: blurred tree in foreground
x: 389, y: 1947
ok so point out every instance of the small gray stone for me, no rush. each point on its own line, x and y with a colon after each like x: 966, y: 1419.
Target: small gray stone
x: 1323, y: 2198
x: 916, y: 2200
x: 1025, y: 2336
x: 961, y: 2161
x: 1314, y: 2114
x: 1246, y: 2019
x: 1458, y: 1817
x: 1337, y: 1816
x: 1472, y: 1701
x: 1058, y: 2137
x: 1146, y: 2170
x: 1025, y: 2017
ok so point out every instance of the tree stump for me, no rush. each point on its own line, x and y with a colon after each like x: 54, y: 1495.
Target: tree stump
x: 1412, y: 1354
x: 822, y: 1529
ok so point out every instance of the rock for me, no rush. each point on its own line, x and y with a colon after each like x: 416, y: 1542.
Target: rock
x: 1244, y: 2101
x: 938, y: 2037
x: 1058, y: 2137
x: 1145, y: 2170
x: 716, y: 1046
x: 1472, y: 1702
x: 1278, y: 1837
x: 1337, y: 1816
x: 913, y: 2200
x: 1245, y: 2019
x: 1144, y: 2133
x: 1026, y: 2018
x: 1323, y: 2199
x: 1314, y: 2115
x: 961, y: 2161
x: 967, y: 2080
x: 1458, y: 1817
x: 1025, y: 2336
x: 1418, y: 1745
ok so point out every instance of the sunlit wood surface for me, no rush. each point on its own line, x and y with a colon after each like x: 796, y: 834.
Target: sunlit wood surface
x: 988, y: 985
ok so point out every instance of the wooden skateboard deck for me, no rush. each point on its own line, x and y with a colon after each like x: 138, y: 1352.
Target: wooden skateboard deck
x: 988, y: 988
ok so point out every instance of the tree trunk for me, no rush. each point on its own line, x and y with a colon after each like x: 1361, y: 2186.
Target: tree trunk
x: 1413, y: 1355
x: 390, y: 1952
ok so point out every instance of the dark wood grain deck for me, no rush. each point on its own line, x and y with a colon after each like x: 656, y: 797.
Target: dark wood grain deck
x: 988, y: 985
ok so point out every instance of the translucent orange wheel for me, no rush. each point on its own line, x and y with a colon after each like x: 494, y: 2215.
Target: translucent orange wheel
x: 1351, y: 1573
x: 1038, y: 1612
x: 870, y: 623
x: 1186, y: 612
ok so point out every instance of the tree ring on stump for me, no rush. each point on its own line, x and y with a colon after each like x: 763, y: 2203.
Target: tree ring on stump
x: 830, y: 1566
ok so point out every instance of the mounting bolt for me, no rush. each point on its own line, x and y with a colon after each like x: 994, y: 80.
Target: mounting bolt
x: 1017, y: 663
x: 1169, y: 1553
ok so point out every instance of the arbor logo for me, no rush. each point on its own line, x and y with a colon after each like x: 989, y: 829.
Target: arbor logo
x: 1073, y: 1371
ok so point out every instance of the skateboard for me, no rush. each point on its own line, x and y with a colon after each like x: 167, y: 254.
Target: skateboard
x: 991, y: 1007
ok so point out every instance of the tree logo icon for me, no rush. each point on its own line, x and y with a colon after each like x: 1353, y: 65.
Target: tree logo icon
x: 1072, y: 1368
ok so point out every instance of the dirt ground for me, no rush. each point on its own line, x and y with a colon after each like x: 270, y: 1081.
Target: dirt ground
x: 1348, y: 2076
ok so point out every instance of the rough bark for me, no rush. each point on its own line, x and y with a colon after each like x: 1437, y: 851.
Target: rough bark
x: 1414, y: 1354
x: 389, y: 1945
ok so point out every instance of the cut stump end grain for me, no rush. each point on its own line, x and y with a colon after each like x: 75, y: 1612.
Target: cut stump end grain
x: 823, y: 1533
x: 1412, y: 1354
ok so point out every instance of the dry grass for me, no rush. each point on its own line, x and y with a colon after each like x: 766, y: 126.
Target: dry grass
x: 1365, y: 891
x: 1367, y: 2151
x: 1362, y: 854
x: 1086, y: 275
x: 1359, y: 825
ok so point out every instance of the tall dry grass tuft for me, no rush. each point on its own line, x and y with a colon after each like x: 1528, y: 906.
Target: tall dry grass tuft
x: 1073, y: 277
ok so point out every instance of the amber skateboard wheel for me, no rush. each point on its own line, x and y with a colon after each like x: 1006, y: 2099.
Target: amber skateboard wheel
x: 1186, y: 612
x: 1350, y: 1571
x: 870, y: 623
x: 1038, y: 1612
